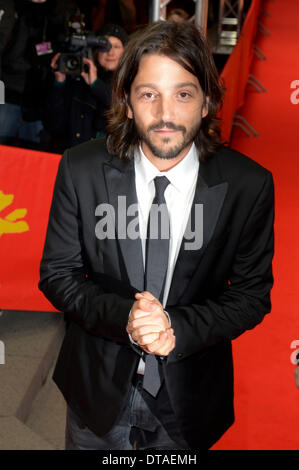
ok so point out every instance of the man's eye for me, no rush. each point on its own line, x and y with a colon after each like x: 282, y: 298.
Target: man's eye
x: 148, y: 95
x: 184, y: 94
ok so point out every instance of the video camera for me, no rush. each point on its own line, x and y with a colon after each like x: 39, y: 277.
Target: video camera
x: 75, y: 47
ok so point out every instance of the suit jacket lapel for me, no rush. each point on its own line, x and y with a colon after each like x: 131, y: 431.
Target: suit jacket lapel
x: 207, y: 204
x: 120, y: 184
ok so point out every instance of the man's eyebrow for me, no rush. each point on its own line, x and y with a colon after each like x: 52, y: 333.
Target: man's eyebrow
x: 145, y: 85
x: 186, y: 84
x: 178, y: 85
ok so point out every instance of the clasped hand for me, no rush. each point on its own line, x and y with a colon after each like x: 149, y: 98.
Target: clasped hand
x: 149, y: 326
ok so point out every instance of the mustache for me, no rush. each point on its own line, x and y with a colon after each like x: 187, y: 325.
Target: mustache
x: 166, y: 125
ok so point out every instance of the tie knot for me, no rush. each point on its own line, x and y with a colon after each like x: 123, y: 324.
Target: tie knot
x: 161, y: 183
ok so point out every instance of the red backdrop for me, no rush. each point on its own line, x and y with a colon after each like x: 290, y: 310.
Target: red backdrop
x: 26, y: 184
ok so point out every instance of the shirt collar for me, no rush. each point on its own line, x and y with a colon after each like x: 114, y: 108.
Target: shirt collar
x: 181, y: 176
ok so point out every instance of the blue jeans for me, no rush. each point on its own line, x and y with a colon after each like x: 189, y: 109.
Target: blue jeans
x: 145, y: 423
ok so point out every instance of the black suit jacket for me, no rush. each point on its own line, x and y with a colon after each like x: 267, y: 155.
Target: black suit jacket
x: 217, y: 291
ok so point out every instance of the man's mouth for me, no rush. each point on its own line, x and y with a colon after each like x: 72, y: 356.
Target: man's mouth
x: 166, y: 131
x: 166, y: 128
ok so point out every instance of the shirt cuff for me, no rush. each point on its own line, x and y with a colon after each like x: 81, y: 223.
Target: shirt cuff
x: 167, y: 314
x: 132, y: 341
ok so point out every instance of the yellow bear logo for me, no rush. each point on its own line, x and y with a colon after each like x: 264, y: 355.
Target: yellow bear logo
x: 11, y: 223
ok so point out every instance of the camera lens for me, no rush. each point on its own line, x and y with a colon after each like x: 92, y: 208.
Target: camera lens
x: 72, y: 63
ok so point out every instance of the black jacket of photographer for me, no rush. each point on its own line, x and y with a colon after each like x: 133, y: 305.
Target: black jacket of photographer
x: 76, y: 110
x: 25, y: 74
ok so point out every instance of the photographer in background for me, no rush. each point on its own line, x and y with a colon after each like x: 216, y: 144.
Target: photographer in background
x: 30, y: 29
x: 77, y: 104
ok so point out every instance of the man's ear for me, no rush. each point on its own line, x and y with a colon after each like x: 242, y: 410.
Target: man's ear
x: 129, y: 111
x: 205, y: 108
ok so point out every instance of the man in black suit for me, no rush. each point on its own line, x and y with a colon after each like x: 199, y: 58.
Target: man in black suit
x: 155, y: 298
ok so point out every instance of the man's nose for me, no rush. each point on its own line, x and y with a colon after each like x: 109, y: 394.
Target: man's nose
x: 166, y: 109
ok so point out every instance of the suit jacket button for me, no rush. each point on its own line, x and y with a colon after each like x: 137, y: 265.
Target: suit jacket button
x: 179, y: 355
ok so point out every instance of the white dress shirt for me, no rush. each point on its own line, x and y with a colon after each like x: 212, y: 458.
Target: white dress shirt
x: 179, y: 196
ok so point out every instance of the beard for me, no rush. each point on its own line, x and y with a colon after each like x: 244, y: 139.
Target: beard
x: 170, y: 152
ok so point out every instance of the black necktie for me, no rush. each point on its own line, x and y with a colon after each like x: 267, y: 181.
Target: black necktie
x: 156, y: 263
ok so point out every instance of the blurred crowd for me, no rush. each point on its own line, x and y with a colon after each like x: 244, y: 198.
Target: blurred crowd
x: 57, y: 74
x: 57, y: 59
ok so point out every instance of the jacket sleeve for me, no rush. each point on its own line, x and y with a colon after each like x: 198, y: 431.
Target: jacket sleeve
x: 63, y: 274
x: 246, y: 300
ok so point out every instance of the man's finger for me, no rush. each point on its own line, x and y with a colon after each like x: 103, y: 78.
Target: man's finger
x: 154, y: 346
x: 146, y: 329
x: 146, y: 339
x: 161, y: 344
x: 138, y: 313
x: 146, y: 294
x: 142, y: 329
x: 141, y: 318
x: 169, y: 346
x: 137, y: 320
x: 146, y: 305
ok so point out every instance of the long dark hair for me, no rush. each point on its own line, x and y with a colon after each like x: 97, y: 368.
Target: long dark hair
x: 183, y: 43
